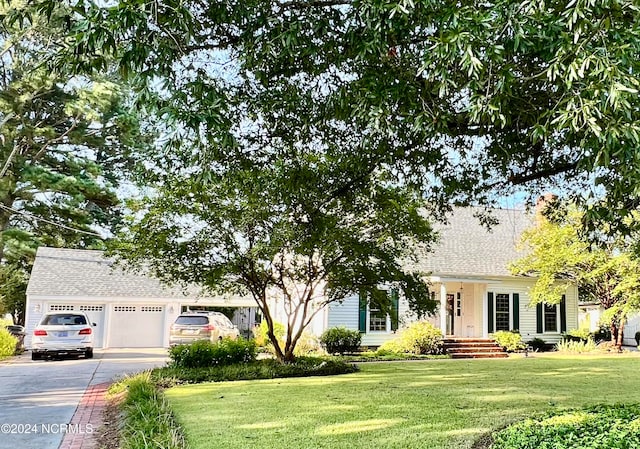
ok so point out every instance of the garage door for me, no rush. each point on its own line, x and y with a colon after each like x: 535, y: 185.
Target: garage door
x: 136, y: 326
x: 95, y: 312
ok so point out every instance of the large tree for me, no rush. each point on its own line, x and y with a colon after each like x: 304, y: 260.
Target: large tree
x: 561, y: 252
x: 66, y: 143
x: 455, y: 100
x: 472, y: 96
x: 294, y: 231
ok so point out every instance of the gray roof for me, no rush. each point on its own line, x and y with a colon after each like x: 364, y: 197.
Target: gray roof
x: 88, y: 273
x: 468, y: 248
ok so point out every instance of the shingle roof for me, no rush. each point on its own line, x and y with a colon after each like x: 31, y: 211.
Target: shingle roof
x: 467, y: 248
x: 88, y: 273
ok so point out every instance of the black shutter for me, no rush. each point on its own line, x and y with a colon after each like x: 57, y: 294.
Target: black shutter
x: 362, y: 313
x: 490, y: 311
x: 563, y: 314
x: 395, y: 302
x: 539, y: 317
x: 516, y: 312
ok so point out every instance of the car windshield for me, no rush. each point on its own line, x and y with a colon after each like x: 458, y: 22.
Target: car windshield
x: 66, y: 319
x: 193, y: 320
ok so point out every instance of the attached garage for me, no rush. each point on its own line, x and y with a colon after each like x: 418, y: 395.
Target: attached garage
x: 126, y: 331
x: 131, y: 310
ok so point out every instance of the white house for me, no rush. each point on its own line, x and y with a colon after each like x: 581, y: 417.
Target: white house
x: 468, y: 271
x: 130, y: 310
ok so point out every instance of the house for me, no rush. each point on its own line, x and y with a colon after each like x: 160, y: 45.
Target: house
x: 130, y: 310
x: 477, y: 295
x: 468, y: 272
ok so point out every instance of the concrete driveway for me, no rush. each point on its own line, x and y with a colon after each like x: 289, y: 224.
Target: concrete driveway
x: 39, y: 398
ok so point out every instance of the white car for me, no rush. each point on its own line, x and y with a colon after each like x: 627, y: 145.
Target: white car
x: 62, y: 333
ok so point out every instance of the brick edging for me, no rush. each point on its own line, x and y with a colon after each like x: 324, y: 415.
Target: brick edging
x: 86, y: 420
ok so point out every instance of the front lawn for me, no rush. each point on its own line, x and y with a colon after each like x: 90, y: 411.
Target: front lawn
x: 404, y: 405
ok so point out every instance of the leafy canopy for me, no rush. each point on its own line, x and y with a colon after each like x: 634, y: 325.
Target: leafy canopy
x: 461, y: 98
x: 66, y: 144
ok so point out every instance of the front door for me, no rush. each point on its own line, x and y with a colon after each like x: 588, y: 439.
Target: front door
x: 451, y: 304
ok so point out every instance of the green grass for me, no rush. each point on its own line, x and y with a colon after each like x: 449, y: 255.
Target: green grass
x: 431, y: 404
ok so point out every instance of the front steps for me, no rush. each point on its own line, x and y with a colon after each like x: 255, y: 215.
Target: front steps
x: 473, y: 348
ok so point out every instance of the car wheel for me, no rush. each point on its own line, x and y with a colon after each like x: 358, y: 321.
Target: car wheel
x: 35, y: 356
x: 88, y: 354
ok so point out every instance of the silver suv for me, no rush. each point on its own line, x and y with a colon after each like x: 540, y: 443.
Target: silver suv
x: 192, y: 326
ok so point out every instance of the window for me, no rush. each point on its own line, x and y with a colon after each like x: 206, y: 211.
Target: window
x: 551, y: 318
x: 377, y: 320
x: 60, y: 307
x: 502, y: 312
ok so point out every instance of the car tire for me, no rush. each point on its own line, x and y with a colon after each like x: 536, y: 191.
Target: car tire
x: 36, y: 356
x: 88, y: 354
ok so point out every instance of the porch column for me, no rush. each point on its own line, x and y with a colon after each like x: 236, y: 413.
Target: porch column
x: 443, y: 309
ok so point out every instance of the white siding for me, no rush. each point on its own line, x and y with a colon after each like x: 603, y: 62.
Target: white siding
x: 528, y: 324
x: 345, y: 313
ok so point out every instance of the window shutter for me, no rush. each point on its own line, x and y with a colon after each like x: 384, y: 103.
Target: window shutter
x: 563, y: 314
x: 395, y: 303
x: 362, y: 313
x: 490, y: 311
x: 539, y: 317
x: 516, y: 311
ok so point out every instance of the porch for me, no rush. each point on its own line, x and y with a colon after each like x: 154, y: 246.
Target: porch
x: 474, y: 308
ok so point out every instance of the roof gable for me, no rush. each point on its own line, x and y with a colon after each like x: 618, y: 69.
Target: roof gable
x: 467, y: 248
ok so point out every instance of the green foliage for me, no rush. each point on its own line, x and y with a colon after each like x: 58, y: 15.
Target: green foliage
x: 66, y: 144
x: 340, y: 340
x: 7, y: 343
x: 203, y: 353
x: 577, y: 347
x: 148, y: 419
x: 261, y: 337
x: 581, y: 334
x: 510, y: 341
x: 599, y: 427
x: 261, y: 369
x: 308, y: 345
x: 420, y: 337
x: 397, y: 98
x: 560, y: 249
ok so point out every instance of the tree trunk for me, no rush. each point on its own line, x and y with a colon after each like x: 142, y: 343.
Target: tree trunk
x: 620, y: 340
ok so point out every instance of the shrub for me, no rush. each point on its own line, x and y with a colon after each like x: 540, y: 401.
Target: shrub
x: 8, y: 343
x: 538, y: 344
x: 420, y: 337
x: 340, y: 340
x: 510, y: 341
x: 260, y: 334
x: 307, y: 344
x: 204, y: 353
x: 582, y: 334
x: 147, y: 418
x: 604, y: 426
x: 577, y: 347
x: 261, y: 369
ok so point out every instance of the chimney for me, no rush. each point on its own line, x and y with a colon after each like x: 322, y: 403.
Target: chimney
x: 542, y: 202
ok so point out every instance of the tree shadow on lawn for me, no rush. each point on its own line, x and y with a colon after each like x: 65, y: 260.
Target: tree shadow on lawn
x: 419, y: 405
